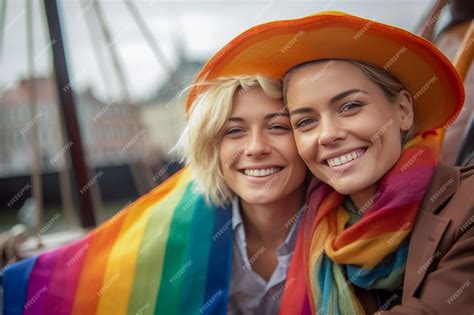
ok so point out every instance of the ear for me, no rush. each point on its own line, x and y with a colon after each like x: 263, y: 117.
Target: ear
x: 404, y: 103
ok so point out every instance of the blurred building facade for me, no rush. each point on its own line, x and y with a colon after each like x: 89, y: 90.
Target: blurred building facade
x: 163, y: 115
x: 112, y: 133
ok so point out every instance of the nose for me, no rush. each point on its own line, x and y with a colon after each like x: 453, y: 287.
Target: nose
x: 258, y: 145
x: 331, y: 132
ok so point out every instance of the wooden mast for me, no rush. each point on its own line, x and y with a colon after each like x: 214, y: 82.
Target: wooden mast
x: 35, y: 157
x: 68, y: 113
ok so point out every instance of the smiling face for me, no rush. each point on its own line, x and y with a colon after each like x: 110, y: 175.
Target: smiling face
x: 257, y: 152
x: 346, y: 129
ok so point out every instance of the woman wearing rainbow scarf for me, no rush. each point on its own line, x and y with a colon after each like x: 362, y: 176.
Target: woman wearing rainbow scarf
x: 388, y: 227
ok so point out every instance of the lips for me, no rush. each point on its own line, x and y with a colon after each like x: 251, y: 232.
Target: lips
x: 345, y: 158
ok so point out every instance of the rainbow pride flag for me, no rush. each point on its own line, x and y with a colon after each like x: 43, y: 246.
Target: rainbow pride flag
x: 167, y: 253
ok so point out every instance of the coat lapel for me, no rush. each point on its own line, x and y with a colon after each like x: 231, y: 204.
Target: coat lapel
x: 429, y: 228
x: 422, y: 252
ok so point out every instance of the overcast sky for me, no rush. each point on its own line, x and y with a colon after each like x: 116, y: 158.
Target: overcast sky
x: 202, y: 26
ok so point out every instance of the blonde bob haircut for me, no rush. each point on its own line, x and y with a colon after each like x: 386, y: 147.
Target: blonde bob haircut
x: 199, y: 142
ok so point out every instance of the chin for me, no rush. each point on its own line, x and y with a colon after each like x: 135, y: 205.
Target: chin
x: 255, y: 199
x: 347, y: 188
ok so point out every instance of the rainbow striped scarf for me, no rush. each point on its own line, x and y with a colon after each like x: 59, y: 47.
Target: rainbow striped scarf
x: 331, y: 257
x: 167, y: 253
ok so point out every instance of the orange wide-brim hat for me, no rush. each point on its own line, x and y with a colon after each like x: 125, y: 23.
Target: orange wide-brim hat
x: 273, y: 48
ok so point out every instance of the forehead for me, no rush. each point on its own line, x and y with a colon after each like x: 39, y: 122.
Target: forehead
x: 252, y: 101
x: 327, y: 72
x: 324, y: 80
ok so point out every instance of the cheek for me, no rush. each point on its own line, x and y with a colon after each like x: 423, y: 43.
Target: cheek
x: 306, y: 146
x: 388, y: 148
x: 390, y: 137
x: 288, y: 146
x: 225, y: 156
x: 394, y: 144
x: 296, y: 161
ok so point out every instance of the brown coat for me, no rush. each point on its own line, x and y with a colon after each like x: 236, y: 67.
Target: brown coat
x: 440, y: 265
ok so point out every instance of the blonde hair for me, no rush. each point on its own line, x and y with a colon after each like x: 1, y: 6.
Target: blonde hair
x: 199, y: 142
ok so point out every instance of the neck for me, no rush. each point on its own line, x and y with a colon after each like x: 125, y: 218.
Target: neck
x: 269, y: 224
x: 364, y: 199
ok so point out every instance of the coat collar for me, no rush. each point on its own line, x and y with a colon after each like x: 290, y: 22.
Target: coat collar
x: 444, y: 183
x: 424, y: 241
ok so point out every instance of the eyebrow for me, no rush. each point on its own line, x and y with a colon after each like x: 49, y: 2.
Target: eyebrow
x: 333, y: 100
x: 302, y: 110
x: 267, y: 117
x: 341, y: 95
x: 238, y: 119
x: 273, y: 115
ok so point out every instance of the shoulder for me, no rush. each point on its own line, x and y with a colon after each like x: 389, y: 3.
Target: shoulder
x: 441, y: 252
x: 459, y: 204
x: 462, y: 199
x: 450, y: 198
x: 451, y: 187
x: 467, y: 173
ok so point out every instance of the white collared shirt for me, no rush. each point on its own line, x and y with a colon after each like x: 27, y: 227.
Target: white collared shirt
x: 249, y: 293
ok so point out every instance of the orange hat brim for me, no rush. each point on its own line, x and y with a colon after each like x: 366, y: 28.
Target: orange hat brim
x: 273, y: 48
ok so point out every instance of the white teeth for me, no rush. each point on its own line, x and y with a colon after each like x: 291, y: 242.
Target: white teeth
x: 343, y: 159
x: 261, y: 172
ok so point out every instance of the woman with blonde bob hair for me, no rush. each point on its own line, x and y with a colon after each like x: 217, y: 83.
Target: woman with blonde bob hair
x: 389, y: 228
x: 215, y: 238
x: 240, y: 148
